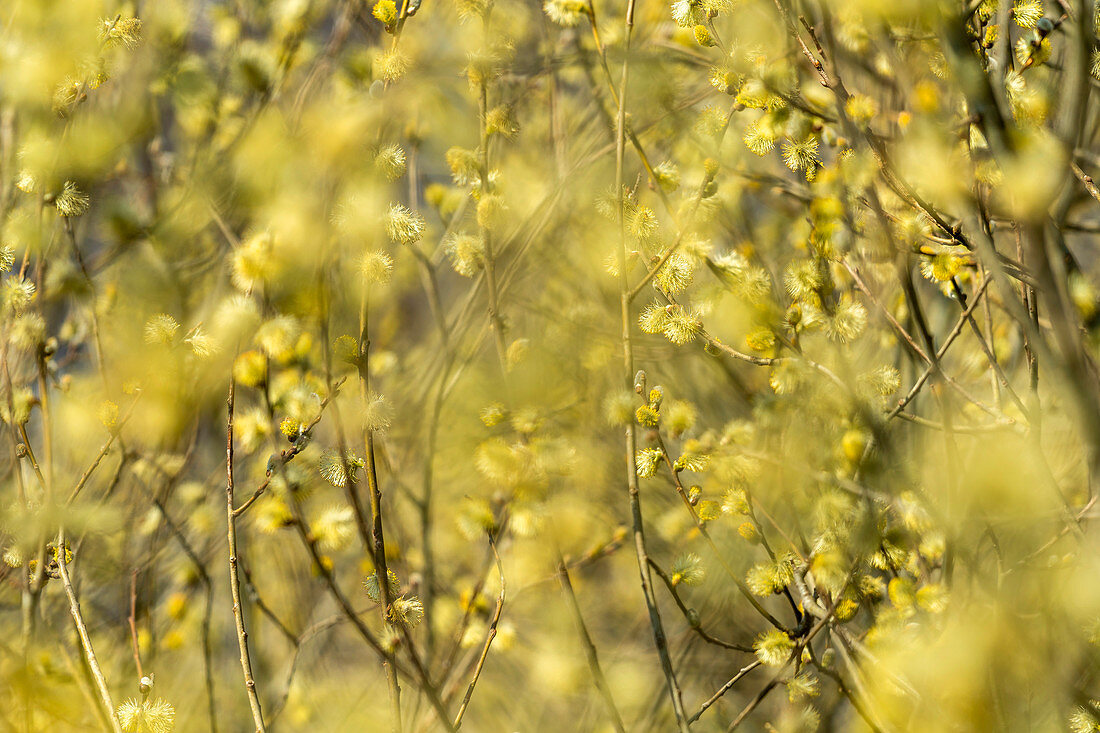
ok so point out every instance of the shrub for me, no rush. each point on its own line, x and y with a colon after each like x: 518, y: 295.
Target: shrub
x: 573, y: 366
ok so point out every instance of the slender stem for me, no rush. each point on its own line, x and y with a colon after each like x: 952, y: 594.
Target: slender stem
x: 754, y: 703
x: 287, y: 455
x: 132, y: 620
x: 492, y: 633
x: 460, y: 631
x: 298, y: 642
x: 496, y: 322
x: 723, y: 690
x: 950, y: 339
x: 207, y: 610
x: 420, y: 676
x: 693, y: 623
x: 103, y: 451
x: 628, y: 368
x: 589, y: 647
x: 234, y: 579
x: 702, y: 527
x: 82, y: 632
x: 46, y: 479
x: 323, y: 570
x: 255, y: 597
x: 381, y: 573
x: 374, y: 538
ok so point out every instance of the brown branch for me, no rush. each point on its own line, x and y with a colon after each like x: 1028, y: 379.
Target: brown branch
x: 1086, y: 180
x: 793, y: 31
x: 796, y: 653
x: 729, y: 351
x: 373, y: 537
x: 950, y: 339
x: 287, y: 455
x: 258, y: 601
x: 640, y: 550
x: 378, y: 549
x: 298, y: 642
x: 234, y: 580
x: 450, y: 659
x: 910, y: 342
x: 420, y: 676
x: 208, y: 604
x: 987, y: 349
x: 962, y: 429
x: 860, y: 707
x: 723, y: 690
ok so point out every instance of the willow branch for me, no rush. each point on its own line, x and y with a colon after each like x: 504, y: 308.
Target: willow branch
x: 723, y: 690
x: 631, y: 438
x: 693, y: 622
x: 82, y: 632
x: 589, y: 647
x: 490, y: 635
x: 234, y: 580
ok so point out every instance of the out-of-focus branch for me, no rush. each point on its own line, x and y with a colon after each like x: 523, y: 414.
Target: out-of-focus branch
x: 489, y: 636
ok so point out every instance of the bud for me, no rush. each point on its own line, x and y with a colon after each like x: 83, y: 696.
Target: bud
x: 794, y: 315
x: 853, y: 444
x: 703, y: 36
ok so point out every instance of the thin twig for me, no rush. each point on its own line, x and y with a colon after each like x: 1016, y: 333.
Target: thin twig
x: 723, y: 690
x: 234, y: 580
x: 950, y: 339
x: 692, y: 622
x: 490, y: 635
x: 288, y: 455
x: 103, y: 451
x: 1086, y: 180
x: 298, y: 643
x: 82, y: 632
x: 628, y: 364
x: 589, y: 647
x: 132, y: 620
x: 701, y: 526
